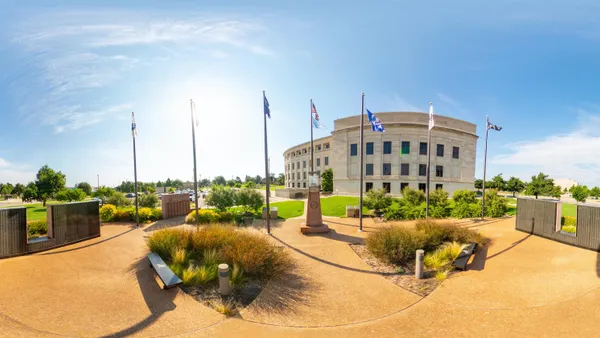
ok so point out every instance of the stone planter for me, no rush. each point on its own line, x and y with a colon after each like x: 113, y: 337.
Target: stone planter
x: 248, y: 220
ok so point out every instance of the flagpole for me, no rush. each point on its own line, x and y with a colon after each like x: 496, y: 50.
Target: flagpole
x: 267, y: 189
x: 195, y: 169
x: 312, y: 150
x: 428, y: 175
x: 137, y: 215
x: 360, y: 189
x: 484, y: 168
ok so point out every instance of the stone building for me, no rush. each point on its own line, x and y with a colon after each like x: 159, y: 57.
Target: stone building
x: 392, y: 160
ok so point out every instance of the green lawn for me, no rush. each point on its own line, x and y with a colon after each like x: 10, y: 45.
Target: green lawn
x: 273, y: 187
x: 569, y: 210
x: 35, y: 211
x: 336, y: 205
x: 289, y: 209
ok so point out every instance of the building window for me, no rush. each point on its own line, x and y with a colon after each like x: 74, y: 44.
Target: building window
x: 304, y: 184
x: 353, y: 149
x: 440, y: 150
x: 422, y: 187
x: 439, y: 171
x: 405, y: 148
x: 387, y: 186
x: 404, y: 167
x: 293, y: 176
x: 422, y: 169
x: 326, y: 145
x: 326, y: 160
x: 403, y: 186
x: 369, y: 148
x: 369, y: 169
x: 455, y: 152
x: 298, y: 167
x: 304, y: 164
x: 318, y: 162
x: 292, y: 166
x: 304, y: 175
x: 319, y: 147
x: 387, y: 147
x: 439, y: 186
x: 293, y: 185
x: 423, y: 148
x: 387, y: 168
x: 304, y: 151
x: 368, y: 186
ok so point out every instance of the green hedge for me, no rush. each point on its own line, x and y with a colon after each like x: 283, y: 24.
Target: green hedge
x: 110, y: 213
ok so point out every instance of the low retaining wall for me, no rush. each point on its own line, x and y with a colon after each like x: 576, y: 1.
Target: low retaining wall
x: 174, y: 205
x: 543, y: 218
x: 67, y: 223
x: 298, y: 193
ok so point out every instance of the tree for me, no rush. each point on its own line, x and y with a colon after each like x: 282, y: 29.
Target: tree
x: 249, y: 200
x: 464, y: 196
x: 18, y: 189
x: 178, y: 184
x: 498, y: 182
x: 258, y: 179
x: 540, y: 185
x: 30, y: 192
x: 168, y: 183
x: 377, y: 200
x: 280, y: 179
x: 118, y: 199
x: 556, y: 192
x: 171, y: 190
x: 595, y: 192
x: 219, y: 180
x: 6, y: 189
x: 48, y: 183
x: 104, y: 193
x: 514, y: 185
x: 231, y: 183
x: 70, y: 195
x: 249, y: 185
x: 205, y: 182
x: 248, y: 179
x: 413, y: 197
x: 148, y: 201
x: 479, y: 184
x: 238, y: 180
x: 327, y: 180
x: 159, y: 184
x: 221, y: 198
x: 580, y: 193
x: 86, y: 187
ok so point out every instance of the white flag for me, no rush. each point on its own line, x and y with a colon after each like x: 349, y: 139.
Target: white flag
x: 431, y: 120
x: 133, y: 126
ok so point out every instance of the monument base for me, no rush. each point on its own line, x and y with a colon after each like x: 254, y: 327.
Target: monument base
x: 306, y: 229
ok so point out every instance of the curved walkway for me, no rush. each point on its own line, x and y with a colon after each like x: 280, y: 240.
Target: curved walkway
x: 520, y: 285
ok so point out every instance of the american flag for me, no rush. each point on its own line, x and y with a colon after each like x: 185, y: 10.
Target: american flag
x: 313, y: 109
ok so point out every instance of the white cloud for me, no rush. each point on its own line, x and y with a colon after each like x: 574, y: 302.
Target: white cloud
x: 14, y: 173
x: 574, y: 154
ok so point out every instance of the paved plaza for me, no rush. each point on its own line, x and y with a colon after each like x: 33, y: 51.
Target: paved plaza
x: 520, y: 285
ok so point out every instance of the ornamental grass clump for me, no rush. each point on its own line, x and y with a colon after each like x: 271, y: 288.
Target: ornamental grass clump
x: 163, y: 242
x: 395, y: 244
x: 206, y: 274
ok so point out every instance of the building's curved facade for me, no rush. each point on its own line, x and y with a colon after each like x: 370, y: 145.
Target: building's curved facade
x: 393, y: 159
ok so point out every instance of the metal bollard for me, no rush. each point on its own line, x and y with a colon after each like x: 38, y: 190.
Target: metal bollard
x: 419, y: 264
x: 224, y: 285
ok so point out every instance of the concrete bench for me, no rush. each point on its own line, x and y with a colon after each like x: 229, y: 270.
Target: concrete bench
x: 273, y: 213
x: 167, y: 276
x: 349, y: 211
x: 463, y: 258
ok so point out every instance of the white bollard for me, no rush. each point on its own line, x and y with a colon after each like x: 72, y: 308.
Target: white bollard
x: 224, y: 285
x: 419, y: 264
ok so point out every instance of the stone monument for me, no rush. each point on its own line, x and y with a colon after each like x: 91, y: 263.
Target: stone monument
x: 314, y: 218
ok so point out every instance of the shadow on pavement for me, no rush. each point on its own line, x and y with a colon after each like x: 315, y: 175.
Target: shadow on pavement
x: 325, y: 261
x: 598, y: 265
x: 349, y: 225
x: 510, y: 247
x: 166, y: 223
x: 479, y: 259
x: 332, y: 234
x: 131, y: 228
x: 284, y: 294
x: 157, y: 300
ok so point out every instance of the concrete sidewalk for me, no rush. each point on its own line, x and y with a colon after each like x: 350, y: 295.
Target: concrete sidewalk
x: 521, y: 286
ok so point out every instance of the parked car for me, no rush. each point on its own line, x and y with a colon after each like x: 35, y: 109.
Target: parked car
x: 130, y: 195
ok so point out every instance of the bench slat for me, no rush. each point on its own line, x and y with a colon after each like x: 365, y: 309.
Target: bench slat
x: 462, y: 259
x: 166, y: 275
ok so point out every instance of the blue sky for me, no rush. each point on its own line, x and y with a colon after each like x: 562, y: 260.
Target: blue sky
x: 72, y: 72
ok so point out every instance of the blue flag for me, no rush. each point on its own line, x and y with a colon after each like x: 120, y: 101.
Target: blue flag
x: 376, y: 124
x: 266, y: 106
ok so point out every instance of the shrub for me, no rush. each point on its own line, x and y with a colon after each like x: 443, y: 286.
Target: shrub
x: 405, y: 211
x: 145, y: 215
x: 464, y: 210
x: 71, y: 195
x: 412, y: 196
x: 221, y: 198
x: 237, y: 276
x: 395, y: 244
x: 495, y: 205
x: 437, y: 233
x: 327, y: 180
x: 227, y: 308
x: 156, y: 214
x: 569, y: 228
x: 377, y: 200
x: 125, y: 214
x: 205, y: 274
x: 148, y: 200
x: 179, y: 256
x: 568, y: 220
x: 107, y: 213
x: 249, y: 200
x: 163, y: 242
x: 205, y: 216
x: 188, y: 276
x: 451, y: 251
x: 441, y: 275
x: 211, y: 257
x: 118, y: 199
x: 226, y: 217
x: 464, y: 196
x: 37, y: 228
x: 393, y: 213
x: 438, y: 204
x: 435, y: 260
x: 249, y: 185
